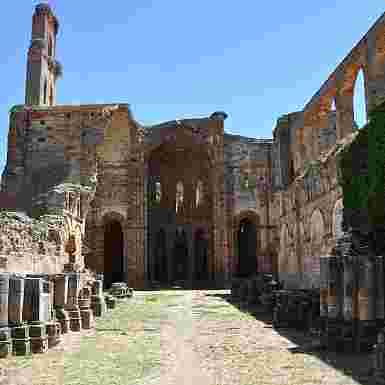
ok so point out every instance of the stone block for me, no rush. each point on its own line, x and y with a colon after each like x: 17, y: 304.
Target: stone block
x: 36, y: 300
x: 73, y: 288
x: 61, y: 290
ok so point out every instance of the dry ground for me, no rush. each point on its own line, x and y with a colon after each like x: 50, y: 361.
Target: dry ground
x: 182, y: 337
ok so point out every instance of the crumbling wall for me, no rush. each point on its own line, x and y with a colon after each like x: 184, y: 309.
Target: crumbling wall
x: 317, y: 134
x: 31, y: 246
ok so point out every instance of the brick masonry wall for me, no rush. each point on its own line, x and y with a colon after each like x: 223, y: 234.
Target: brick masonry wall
x: 21, y: 251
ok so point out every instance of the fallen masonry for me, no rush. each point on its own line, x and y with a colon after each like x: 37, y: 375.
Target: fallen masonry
x: 36, y: 309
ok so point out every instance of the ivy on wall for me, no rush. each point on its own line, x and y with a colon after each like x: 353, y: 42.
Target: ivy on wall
x: 362, y: 177
x: 376, y: 160
x: 353, y: 181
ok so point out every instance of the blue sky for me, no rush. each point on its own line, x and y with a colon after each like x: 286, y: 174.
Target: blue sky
x: 173, y: 59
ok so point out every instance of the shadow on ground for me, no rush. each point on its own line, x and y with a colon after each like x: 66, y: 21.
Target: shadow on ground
x: 357, y: 366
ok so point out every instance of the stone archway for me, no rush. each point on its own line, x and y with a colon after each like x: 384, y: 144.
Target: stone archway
x: 113, y: 253
x: 247, y: 247
x: 200, y: 257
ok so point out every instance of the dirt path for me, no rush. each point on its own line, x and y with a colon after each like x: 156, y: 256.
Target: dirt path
x: 174, y: 337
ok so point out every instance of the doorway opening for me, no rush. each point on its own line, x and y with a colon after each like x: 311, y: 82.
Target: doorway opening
x: 247, y: 248
x: 113, y: 253
x: 160, y: 254
x: 200, y: 257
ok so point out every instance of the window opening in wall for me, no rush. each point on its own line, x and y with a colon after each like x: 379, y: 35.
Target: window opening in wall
x: 158, y: 192
x: 45, y: 92
x: 333, y: 106
x: 78, y: 208
x: 50, y: 51
x: 199, y: 193
x: 51, y: 96
x: 179, y: 196
x: 359, y: 101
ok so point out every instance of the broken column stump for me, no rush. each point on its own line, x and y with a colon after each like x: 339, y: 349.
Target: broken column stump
x: 15, y: 300
x: 110, y: 301
x: 21, y: 343
x: 86, y: 313
x: 5, y: 342
x: 36, y: 300
x: 53, y: 331
x: 98, y: 304
x: 72, y: 306
x: 38, y: 336
x: 366, y: 326
x: 4, y: 297
x: 63, y: 318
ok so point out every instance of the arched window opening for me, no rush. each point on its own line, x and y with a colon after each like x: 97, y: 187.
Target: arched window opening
x: 45, y: 92
x: 78, y: 208
x: 359, y: 101
x: 179, y: 196
x: 199, y: 193
x: 158, y: 192
x: 51, y: 96
x: 50, y: 45
x: 333, y: 106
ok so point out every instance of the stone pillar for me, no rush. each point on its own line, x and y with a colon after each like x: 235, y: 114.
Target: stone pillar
x: 72, y: 301
x: 98, y: 304
x: 4, y: 293
x: 73, y: 289
x: 16, y: 300
x: 60, y: 301
x: 36, y: 300
x: 61, y: 290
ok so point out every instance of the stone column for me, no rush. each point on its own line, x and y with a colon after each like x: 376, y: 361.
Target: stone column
x: 36, y: 300
x: 16, y: 299
x: 72, y: 301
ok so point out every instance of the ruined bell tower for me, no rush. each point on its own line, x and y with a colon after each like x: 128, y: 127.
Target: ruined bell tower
x: 42, y: 67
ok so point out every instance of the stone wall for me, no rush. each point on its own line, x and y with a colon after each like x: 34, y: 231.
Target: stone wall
x: 30, y: 246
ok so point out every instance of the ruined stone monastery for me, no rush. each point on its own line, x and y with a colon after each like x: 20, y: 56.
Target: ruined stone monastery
x: 180, y: 201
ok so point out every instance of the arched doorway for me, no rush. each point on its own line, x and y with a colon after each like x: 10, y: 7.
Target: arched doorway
x: 113, y: 253
x: 247, y: 248
x: 180, y: 256
x: 200, y: 257
x: 160, y: 254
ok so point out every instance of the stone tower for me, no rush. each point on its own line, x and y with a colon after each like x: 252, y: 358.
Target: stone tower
x: 42, y: 68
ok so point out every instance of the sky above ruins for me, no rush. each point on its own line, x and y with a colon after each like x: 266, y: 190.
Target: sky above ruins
x: 174, y: 59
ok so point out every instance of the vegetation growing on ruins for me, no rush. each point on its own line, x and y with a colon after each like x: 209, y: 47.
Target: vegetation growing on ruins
x: 365, y: 189
x: 39, y: 228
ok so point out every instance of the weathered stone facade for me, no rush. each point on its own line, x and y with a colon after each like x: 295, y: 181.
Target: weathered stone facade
x: 183, y: 200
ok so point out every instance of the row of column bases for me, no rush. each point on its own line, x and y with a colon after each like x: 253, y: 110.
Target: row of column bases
x: 35, y: 310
